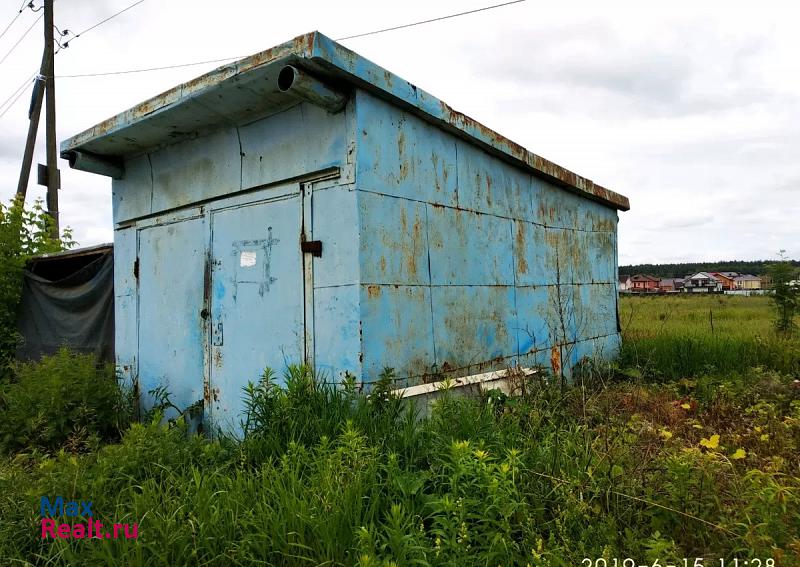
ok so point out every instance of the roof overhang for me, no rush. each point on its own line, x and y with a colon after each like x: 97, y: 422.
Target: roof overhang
x: 247, y: 90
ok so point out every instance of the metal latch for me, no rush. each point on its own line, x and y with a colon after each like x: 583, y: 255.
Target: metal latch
x: 312, y: 247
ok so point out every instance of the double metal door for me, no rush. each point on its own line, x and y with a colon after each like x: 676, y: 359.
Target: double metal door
x: 223, y: 293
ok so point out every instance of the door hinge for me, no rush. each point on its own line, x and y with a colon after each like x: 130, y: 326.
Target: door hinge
x: 312, y: 247
x: 136, y: 268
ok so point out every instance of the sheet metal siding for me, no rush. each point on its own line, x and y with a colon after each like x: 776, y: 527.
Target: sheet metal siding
x: 337, y: 322
x: 125, y: 302
x: 294, y: 142
x: 469, y: 263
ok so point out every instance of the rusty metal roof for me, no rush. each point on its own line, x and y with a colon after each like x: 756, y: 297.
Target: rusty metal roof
x: 246, y: 90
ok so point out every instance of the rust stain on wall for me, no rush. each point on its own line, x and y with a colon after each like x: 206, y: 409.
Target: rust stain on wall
x: 520, y: 248
x: 555, y: 360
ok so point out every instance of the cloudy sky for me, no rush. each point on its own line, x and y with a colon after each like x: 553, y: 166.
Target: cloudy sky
x: 690, y: 109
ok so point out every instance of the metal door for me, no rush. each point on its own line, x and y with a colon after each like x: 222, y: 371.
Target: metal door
x: 170, y: 268
x: 257, y: 299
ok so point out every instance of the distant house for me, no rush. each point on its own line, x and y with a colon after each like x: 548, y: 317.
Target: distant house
x: 732, y: 281
x: 642, y: 283
x: 670, y: 285
x: 728, y: 279
x: 746, y: 281
x: 624, y: 284
x: 702, y: 282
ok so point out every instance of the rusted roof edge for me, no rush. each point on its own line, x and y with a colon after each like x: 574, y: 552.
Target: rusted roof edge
x: 371, y: 76
x: 300, y: 46
x: 75, y: 252
x: 320, y: 49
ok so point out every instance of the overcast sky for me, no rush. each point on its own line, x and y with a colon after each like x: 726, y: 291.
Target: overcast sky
x: 690, y: 109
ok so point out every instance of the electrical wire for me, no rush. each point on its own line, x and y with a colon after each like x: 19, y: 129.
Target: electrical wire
x: 177, y: 66
x: 439, y: 19
x: 129, y: 71
x: 19, y: 88
x: 100, y: 23
x: 13, y: 102
x: 17, y: 94
x: 20, y: 39
x: 14, y: 19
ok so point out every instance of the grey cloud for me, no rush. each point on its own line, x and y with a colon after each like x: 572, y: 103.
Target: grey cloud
x: 687, y: 73
x: 684, y: 222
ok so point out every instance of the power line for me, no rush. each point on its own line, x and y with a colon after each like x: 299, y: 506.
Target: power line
x: 21, y: 91
x: 129, y: 71
x: 100, y: 23
x: 439, y: 19
x: 177, y: 66
x: 14, y: 19
x: 19, y: 88
x: 20, y: 39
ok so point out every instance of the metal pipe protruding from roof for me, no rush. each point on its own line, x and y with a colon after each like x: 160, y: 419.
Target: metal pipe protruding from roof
x: 300, y: 84
x: 100, y: 165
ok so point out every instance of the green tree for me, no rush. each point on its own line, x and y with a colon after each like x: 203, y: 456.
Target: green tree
x: 24, y: 233
x: 786, y: 293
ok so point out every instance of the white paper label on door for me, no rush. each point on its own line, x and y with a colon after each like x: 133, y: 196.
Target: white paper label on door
x: 247, y: 259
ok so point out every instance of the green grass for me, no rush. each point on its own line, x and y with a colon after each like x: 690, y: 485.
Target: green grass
x: 597, y: 468
x: 684, y: 335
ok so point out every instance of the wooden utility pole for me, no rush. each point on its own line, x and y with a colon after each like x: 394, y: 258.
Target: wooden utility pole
x: 33, y: 127
x: 44, y: 88
x: 53, y: 178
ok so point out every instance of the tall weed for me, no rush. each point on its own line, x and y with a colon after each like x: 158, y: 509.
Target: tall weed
x: 65, y: 400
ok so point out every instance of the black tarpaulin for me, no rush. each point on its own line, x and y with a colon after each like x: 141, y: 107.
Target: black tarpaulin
x: 68, y: 300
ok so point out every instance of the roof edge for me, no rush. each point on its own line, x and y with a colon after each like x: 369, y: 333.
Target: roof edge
x: 319, y: 49
x: 372, y: 76
x: 300, y: 46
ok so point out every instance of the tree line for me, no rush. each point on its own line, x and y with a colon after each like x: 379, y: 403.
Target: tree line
x: 754, y: 267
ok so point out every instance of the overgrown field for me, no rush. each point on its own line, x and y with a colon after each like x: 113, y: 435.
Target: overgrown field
x: 683, y: 335
x: 641, y: 459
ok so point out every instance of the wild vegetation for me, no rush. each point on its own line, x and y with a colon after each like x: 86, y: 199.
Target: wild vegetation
x: 679, y: 336
x: 24, y: 232
x: 641, y: 458
x: 786, y: 296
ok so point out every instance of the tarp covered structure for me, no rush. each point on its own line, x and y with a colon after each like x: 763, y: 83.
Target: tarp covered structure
x: 68, y: 300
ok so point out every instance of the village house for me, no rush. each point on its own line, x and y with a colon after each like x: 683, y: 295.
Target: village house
x: 732, y: 281
x: 624, y: 283
x: 642, y: 283
x: 727, y: 279
x: 746, y: 281
x: 670, y: 285
x: 702, y: 282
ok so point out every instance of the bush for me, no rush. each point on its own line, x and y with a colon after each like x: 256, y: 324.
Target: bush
x: 23, y: 234
x: 65, y: 400
x: 786, y: 296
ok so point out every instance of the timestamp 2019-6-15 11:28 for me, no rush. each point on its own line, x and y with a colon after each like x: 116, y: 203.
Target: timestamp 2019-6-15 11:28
x: 683, y: 562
